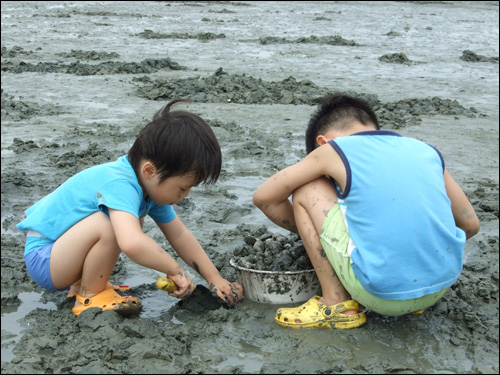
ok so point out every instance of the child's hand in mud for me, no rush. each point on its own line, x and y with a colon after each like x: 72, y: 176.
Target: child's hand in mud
x: 184, y: 284
x: 227, y: 291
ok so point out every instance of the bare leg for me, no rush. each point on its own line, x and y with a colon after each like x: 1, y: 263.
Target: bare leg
x: 75, y: 289
x: 311, y: 204
x: 87, y: 251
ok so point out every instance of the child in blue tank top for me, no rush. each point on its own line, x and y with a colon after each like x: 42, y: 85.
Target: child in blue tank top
x: 382, y: 220
x: 76, y: 233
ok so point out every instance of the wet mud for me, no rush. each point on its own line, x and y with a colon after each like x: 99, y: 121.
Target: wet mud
x: 80, y: 79
x: 272, y: 252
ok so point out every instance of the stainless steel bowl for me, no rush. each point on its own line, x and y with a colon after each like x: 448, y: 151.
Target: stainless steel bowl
x: 277, y: 287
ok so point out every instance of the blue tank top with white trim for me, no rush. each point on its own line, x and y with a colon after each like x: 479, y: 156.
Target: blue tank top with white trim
x: 406, y: 242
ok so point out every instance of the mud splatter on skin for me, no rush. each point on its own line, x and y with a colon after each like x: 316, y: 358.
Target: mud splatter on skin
x: 196, y: 267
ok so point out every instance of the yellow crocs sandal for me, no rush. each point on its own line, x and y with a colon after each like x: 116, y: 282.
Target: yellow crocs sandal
x: 108, y: 299
x: 120, y: 288
x: 419, y: 312
x: 314, y: 314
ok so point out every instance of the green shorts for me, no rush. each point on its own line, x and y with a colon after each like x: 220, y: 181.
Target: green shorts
x: 335, y: 240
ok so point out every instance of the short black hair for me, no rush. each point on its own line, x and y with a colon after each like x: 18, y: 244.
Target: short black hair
x: 178, y: 142
x: 337, y: 111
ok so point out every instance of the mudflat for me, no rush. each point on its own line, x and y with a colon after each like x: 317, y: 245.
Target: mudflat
x: 80, y: 79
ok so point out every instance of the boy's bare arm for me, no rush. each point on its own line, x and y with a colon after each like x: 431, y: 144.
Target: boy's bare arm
x: 143, y: 250
x: 272, y: 197
x: 463, y: 212
x: 190, y: 250
x: 280, y: 213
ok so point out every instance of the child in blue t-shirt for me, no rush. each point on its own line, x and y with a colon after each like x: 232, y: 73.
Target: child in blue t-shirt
x: 382, y: 220
x: 76, y: 233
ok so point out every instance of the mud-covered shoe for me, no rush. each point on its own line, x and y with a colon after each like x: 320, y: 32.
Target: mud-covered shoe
x: 73, y: 291
x: 314, y: 314
x: 109, y: 299
x: 419, y: 312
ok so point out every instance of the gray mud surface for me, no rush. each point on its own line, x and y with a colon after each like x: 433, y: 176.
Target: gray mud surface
x: 79, y: 79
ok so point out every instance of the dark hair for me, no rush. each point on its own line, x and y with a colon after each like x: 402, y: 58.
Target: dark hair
x: 337, y: 111
x: 178, y: 142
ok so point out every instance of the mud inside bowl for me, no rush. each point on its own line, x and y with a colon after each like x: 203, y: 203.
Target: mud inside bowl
x: 274, y: 268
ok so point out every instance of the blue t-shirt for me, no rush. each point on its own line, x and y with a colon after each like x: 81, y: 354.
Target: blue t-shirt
x: 111, y: 185
x: 405, y: 240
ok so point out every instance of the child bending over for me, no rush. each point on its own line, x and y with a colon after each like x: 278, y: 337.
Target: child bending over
x: 382, y: 220
x: 76, y: 233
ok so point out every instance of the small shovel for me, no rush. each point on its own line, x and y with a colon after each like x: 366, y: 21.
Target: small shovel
x: 201, y: 300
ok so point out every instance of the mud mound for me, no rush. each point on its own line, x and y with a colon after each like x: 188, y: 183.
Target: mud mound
x: 108, y: 67
x: 222, y: 87
x: 470, y: 56
x: 204, y: 37
x: 395, y: 58
x: 89, y: 55
x: 15, y: 51
x: 17, y: 109
x: 332, y: 40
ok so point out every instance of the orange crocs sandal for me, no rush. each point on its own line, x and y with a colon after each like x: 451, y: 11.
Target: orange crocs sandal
x: 120, y: 288
x: 109, y: 299
x: 314, y: 314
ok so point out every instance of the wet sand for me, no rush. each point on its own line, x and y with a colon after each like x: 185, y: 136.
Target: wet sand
x: 79, y: 79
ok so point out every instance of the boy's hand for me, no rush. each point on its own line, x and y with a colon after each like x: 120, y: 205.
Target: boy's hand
x: 227, y: 291
x: 184, y: 283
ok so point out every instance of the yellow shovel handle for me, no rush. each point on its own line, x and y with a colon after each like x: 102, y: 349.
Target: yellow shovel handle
x: 167, y: 284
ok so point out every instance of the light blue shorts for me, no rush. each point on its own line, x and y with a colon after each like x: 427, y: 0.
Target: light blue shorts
x: 37, y: 259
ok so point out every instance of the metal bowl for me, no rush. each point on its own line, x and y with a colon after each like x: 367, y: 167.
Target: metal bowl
x: 277, y: 287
